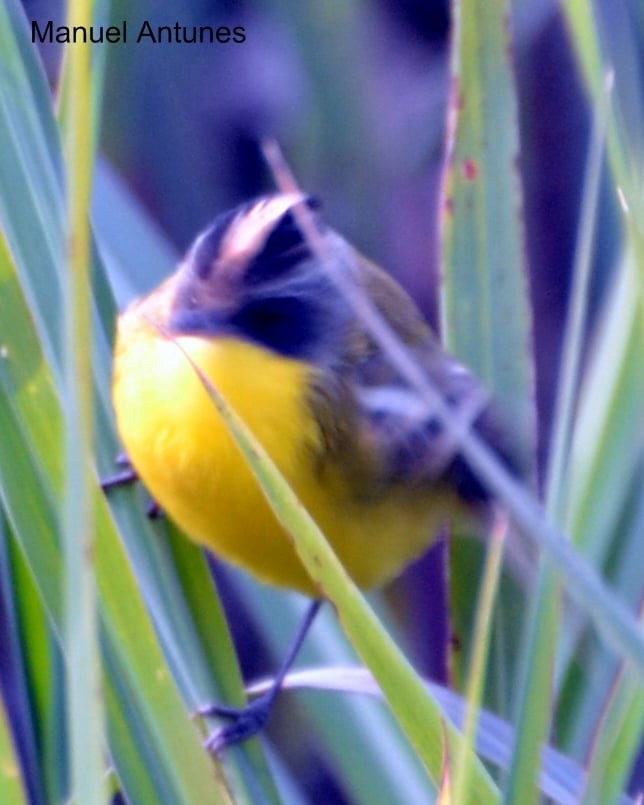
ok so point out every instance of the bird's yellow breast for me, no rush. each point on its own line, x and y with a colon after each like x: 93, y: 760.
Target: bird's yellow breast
x: 186, y: 458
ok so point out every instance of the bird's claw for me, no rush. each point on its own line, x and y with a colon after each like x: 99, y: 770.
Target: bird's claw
x: 126, y: 477
x: 246, y: 722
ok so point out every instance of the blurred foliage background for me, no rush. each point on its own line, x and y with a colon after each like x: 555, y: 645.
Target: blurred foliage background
x: 356, y: 94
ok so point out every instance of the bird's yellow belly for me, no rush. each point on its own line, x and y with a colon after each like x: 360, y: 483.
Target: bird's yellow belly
x: 184, y: 455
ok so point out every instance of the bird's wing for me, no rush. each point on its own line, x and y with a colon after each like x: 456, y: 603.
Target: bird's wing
x: 386, y: 434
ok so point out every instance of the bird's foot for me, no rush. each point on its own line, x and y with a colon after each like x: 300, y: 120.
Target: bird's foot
x: 246, y: 721
x: 126, y: 477
x: 123, y: 478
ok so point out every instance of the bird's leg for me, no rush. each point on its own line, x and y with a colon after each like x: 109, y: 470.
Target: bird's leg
x: 249, y: 720
x: 122, y: 478
x: 129, y: 476
x: 153, y: 510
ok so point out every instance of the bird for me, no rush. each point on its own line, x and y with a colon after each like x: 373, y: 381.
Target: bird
x: 253, y: 305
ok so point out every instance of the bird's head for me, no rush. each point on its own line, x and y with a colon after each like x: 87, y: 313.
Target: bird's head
x: 253, y: 274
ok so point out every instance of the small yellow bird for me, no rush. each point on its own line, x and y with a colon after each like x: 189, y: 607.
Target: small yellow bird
x: 258, y: 313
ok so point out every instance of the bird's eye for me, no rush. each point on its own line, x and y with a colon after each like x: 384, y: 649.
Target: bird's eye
x: 285, y: 324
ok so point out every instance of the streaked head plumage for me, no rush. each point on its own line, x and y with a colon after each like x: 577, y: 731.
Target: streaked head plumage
x: 253, y: 274
x: 238, y: 238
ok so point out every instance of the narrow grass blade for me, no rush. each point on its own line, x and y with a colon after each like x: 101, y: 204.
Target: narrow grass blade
x: 356, y: 736
x: 583, y: 699
x: 561, y: 779
x: 32, y: 220
x: 12, y: 790
x: 31, y: 206
x: 416, y: 713
x: 158, y: 722
x: 28, y: 689
x: 537, y: 661
x: 462, y: 790
x: 171, y: 571
x: 84, y: 699
x: 136, y: 255
x: 485, y: 312
x: 618, y: 736
x: 486, y: 318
